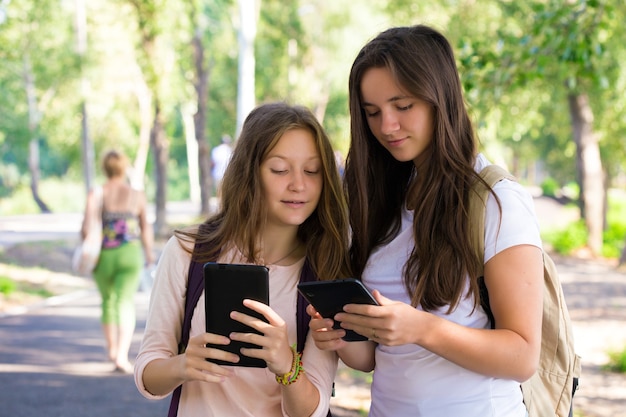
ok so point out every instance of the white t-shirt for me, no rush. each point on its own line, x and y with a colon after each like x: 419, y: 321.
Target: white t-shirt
x: 412, y: 381
x: 251, y: 392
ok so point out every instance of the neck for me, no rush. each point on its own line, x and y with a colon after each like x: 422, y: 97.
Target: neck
x: 117, y: 180
x: 285, y: 259
x: 279, y: 249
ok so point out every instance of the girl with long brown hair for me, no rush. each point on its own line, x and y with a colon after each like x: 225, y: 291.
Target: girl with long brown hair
x: 282, y: 204
x: 411, y: 169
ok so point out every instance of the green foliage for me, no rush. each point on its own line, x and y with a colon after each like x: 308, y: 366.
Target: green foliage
x: 62, y: 196
x: 613, y: 239
x: 615, y: 233
x: 617, y: 360
x: 7, y: 285
x: 550, y: 187
x: 177, y: 181
x: 514, y: 62
x: 571, y: 190
x: 617, y: 206
x: 38, y: 73
x: 278, y: 26
x: 573, y: 237
x: 10, y: 179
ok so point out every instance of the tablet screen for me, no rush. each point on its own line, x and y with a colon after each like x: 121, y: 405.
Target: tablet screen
x: 225, y: 288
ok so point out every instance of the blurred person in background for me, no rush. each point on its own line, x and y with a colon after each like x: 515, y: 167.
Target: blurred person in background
x: 125, y: 231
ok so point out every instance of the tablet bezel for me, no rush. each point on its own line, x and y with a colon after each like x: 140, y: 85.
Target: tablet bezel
x: 225, y: 288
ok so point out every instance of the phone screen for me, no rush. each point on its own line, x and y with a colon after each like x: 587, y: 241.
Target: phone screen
x: 329, y: 297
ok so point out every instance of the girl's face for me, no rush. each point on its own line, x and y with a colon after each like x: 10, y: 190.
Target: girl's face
x: 291, y: 176
x: 402, y: 123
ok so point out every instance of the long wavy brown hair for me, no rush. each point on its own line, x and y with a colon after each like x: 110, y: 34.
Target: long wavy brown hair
x: 378, y: 186
x: 241, y: 218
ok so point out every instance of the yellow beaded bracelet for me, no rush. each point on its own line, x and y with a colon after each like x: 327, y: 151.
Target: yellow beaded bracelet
x: 296, y: 369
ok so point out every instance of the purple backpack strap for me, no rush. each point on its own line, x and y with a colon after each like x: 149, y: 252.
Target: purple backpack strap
x: 194, y: 290
x: 302, y: 318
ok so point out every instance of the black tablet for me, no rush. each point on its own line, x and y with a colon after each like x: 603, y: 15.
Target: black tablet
x: 225, y: 288
x: 329, y: 297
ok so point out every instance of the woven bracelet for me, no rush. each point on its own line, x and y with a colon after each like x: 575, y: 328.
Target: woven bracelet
x: 296, y: 369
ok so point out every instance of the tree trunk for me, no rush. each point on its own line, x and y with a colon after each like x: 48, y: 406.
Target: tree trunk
x: 248, y: 16
x: 191, y: 144
x: 591, y: 175
x: 199, y: 118
x: 622, y: 259
x: 158, y: 141
x: 144, y: 99
x: 33, y: 126
x: 88, y: 154
x: 33, y: 164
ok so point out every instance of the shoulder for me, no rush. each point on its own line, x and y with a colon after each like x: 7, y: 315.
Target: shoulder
x: 506, y: 189
x: 177, y: 252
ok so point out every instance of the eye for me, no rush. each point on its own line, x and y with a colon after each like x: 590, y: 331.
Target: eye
x: 311, y: 172
x: 405, y: 108
x: 370, y: 111
x: 278, y: 171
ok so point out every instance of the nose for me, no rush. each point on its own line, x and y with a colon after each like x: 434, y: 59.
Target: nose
x: 297, y: 181
x: 389, y: 123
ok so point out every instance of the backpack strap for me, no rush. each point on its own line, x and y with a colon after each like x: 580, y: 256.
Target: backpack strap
x: 302, y: 318
x: 195, y: 280
x: 195, y: 287
x: 491, y: 174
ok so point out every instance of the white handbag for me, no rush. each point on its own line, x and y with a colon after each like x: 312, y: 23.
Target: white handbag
x: 87, y: 253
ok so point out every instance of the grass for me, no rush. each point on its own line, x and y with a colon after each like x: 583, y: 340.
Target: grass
x: 7, y: 285
x: 61, y: 196
x: 16, y: 292
x: 33, y: 271
x: 574, y: 236
x: 617, y: 361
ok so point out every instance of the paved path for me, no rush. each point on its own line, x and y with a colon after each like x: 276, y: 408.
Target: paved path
x: 52, y: 363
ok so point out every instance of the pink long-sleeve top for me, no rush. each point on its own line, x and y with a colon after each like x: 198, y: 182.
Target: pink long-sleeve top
x: 251, y: 391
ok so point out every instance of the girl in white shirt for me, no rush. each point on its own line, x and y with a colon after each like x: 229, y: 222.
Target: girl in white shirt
x: 411, y: 167
x: 282, y: 203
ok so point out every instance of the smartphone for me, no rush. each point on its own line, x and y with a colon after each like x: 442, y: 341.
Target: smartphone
x: 329, y: 297
x: 225, y: 288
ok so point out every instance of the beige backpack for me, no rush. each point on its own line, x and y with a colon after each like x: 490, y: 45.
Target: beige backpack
x: 550, y: 390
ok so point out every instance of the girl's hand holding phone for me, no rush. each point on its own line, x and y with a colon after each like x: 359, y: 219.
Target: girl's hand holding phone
x: 325, y: 337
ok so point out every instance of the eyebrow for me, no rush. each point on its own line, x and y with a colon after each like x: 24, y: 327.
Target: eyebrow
x: 283, y: 157
x: 391, y: 100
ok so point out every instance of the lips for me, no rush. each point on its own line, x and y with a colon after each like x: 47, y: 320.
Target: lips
x: 395, y: 142
x: 293, y: 203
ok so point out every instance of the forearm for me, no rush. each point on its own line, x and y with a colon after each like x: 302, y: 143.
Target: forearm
x: 358, y: 355
x: 161, y: 376
x: 147, y: 241
x: 300, y: 398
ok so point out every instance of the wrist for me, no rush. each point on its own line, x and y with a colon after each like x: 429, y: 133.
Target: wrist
x: 296, y: 369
